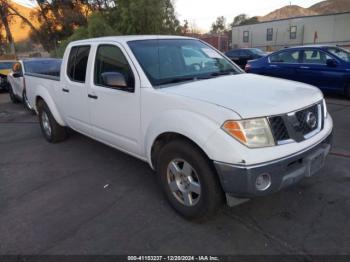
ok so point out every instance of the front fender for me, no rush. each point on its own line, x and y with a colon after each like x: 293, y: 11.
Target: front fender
x: 43, y: 93
x: 195, y: 127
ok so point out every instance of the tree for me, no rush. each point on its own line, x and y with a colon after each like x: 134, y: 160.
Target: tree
x: 58, y: 20
x: 219, y: 26
x: 145, y: 17
x: 121, y: 17
x: 97, y: 26
x: 185, y: 28
x: 243, y: 19
x: 5, y: 20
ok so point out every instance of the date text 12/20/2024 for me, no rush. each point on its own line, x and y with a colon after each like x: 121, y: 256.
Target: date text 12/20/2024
x: 173, y: 258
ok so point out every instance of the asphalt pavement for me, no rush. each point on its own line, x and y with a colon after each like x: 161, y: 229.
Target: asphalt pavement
x: 82, y: 197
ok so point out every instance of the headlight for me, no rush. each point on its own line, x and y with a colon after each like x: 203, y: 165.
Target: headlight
x: 325, y: 111
x: 252, y: 132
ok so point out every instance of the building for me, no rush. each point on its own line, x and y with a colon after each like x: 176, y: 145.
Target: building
x: 273, y: 35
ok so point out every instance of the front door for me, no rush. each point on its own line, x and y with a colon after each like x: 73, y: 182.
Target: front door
x: 115, y: 108
x: 315, y: 71
x: 283, y: 65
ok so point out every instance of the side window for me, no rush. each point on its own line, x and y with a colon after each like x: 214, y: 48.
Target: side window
x: 246, y: 37
x: 315, y: 57
x: 77, y: 63
x: 285, y: 57
x: 293, y: 32
x: 71, y: 61
x: 110, y: 59
x: 269, y: 34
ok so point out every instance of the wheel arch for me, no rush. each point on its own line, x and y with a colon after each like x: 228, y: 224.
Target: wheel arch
x: 162, y: 139
x: 46, y: 98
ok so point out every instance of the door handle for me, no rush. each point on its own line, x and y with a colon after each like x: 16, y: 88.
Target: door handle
x: 65, y: 90
x: 92, y: 96
x: 304, y: 67
x: 273, y: 65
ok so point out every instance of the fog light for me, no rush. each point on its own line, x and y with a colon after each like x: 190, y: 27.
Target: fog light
x: 263, y: 182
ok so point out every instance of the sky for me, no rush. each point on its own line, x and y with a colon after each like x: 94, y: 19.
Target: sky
x: 202, y: 13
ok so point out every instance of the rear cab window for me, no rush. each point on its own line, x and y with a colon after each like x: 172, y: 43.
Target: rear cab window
x: 77, y: 63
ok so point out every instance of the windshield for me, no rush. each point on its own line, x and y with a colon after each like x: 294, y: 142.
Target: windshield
x: 340, y: 53
x: 257, y: 51
x: 45, y: 67
x: 6, y: 65
x: 179, y: 60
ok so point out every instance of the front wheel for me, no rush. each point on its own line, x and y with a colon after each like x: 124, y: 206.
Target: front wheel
x: 51, y: 130
x: 188, y: 180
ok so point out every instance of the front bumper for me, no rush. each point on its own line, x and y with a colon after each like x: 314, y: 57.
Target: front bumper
x: 240, y: 181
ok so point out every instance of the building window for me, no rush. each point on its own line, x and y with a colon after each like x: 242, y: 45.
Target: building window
x: 246, y: 37
x: 293, y: 32
x: 269, y: 34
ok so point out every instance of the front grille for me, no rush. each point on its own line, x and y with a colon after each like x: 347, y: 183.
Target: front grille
x: 302, y: 116
x: 279, y: 129
x: 297, y: 126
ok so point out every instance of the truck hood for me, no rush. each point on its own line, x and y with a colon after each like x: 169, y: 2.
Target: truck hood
x: 250, y: 95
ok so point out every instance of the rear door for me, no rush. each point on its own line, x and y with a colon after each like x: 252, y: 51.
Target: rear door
x: 283, y: 64
x: 74, y: 89
x: 315, y: 71
x: 115, y: 111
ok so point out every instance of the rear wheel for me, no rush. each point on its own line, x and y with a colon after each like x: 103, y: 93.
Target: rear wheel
x: 188, y: 180
x: 12, y: 95
x: 52, y: 131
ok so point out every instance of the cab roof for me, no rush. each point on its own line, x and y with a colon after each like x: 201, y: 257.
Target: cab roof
x: 127, y: 38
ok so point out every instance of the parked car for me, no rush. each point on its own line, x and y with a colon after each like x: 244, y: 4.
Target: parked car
x: 16, y: 79
x: 327, y: 67
x: 242, y: 56
x: 208, y: 129
x: 5, y: 68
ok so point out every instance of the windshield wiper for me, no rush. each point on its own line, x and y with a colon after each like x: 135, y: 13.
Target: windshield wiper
x: 178, y: 80
x: 223, y: 73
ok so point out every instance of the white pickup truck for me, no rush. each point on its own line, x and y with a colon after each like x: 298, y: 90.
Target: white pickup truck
x: 209, y: 130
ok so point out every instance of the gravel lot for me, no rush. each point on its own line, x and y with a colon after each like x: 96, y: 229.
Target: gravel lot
x: 82, y: 197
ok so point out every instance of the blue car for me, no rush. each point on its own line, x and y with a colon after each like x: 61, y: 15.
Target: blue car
x: 327, y: 67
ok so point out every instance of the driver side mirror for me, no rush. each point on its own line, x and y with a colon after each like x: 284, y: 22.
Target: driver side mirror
x: 332, y: 62
x: 115, y: 80
x: 17, y: 74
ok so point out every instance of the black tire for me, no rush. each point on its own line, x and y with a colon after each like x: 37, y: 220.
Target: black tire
x: 12, y: 95
x: 26, y: 104
x: 58, y: 133
x: 211, y: 194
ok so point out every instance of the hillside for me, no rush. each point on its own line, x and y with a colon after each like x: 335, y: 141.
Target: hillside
x: 288, y: 11
x: 331, y: 6
x: 19, y: 30
x: 324, y: 7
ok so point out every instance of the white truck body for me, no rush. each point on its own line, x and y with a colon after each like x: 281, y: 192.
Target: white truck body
x: 132, y: 121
